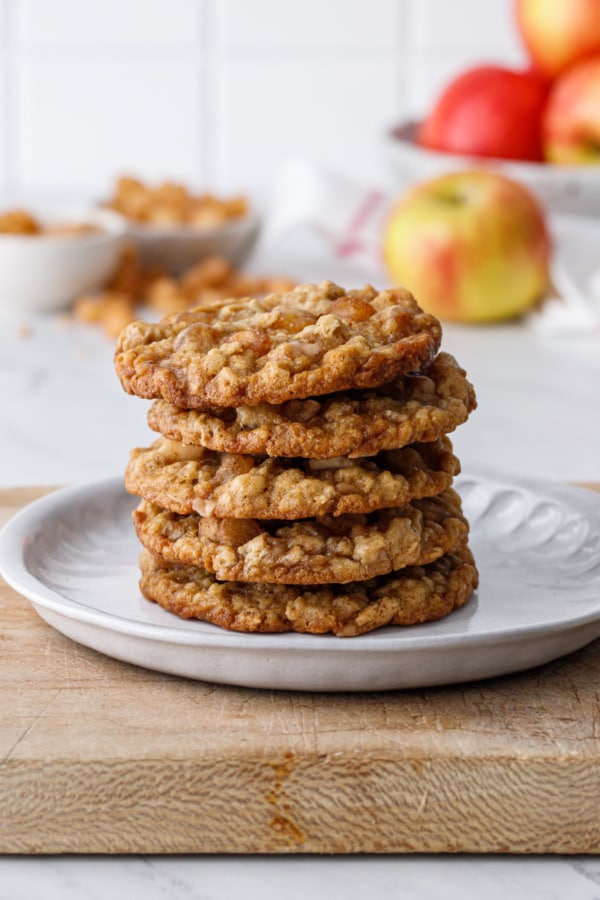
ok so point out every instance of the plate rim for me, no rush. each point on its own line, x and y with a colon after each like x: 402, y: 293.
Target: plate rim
x: 14, y: 539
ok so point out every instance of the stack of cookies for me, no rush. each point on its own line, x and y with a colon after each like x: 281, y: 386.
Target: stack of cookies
x: 302, y: 480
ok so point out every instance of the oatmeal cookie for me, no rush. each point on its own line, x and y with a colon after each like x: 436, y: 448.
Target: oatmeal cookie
x: 409, y: 597
x: 321, y: 550
x: 188, y: 479
x: 415, y: 407
x: 306, y: 342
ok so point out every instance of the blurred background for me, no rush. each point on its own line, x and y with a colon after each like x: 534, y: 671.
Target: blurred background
x: 220, y: 92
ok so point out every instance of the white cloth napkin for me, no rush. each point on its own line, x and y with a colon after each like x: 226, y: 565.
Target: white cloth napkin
x: 347, y: 215
x: 349, y: 218
x: 573, y: 310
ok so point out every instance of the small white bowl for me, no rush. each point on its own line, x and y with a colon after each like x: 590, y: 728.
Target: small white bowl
x: 45, y: 272
x: 562, y: 189
x: 178, y: 247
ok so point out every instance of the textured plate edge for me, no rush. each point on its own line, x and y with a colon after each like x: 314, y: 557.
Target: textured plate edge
x: 376, y: 670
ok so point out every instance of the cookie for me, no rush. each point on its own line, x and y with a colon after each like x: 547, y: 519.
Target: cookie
x: 307, y: 342
x: 308, y: 551
x: 411, y: 596
x: 415, y: 407
x: 188, y: 479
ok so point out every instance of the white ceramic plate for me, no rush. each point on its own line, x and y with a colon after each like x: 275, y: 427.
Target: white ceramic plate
x: 74, y: 555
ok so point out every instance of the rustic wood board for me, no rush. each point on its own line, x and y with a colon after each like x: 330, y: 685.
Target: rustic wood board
x: 103, y: 757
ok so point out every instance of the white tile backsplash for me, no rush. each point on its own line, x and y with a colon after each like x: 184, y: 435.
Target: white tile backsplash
x: 108, y: 24
x: 5, y: 137
x: 3, y: 24
x: 487, y: 27
x: 219, y: 92
x: 323, y: 111
x: 84, y: 122
x: 301, y: 25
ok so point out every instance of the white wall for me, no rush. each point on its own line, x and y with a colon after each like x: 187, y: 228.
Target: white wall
x: 218, y: 92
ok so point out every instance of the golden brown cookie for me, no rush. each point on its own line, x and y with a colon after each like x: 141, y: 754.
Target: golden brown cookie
x: 306, y: 342
x: 188, y: 479
x: 415, y: 407
x: 309, y: 551
x: 411, y: 596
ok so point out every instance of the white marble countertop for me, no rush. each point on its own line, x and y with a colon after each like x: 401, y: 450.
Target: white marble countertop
x: 66, y: 420
x: 296, y: 878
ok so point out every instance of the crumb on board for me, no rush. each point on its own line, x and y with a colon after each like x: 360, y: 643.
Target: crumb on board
x: 24, y: 331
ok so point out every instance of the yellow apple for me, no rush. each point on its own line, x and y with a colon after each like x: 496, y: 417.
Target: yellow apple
x: 559, y: 33
x: 472, y: 246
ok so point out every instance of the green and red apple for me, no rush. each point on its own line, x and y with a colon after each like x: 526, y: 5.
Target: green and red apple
x: 571, y: 123
x: 472, y: 246
x: 559, y: 33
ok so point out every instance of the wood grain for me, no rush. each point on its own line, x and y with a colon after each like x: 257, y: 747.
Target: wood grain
x: 102, y: 757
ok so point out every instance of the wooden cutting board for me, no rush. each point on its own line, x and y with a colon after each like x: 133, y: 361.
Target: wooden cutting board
x: 103, y: 757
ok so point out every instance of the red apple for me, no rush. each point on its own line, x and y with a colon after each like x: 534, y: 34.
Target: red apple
x: 571, y: 123
x: 559, y: 33
x: 488, y: 111
x: 471, y: 246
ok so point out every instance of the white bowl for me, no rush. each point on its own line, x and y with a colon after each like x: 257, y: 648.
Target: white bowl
x: 40, y: 273
x: 562, y: 189
x: 178, y: 247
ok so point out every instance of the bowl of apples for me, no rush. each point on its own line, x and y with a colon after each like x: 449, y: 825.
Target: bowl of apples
x: 539, y: 126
